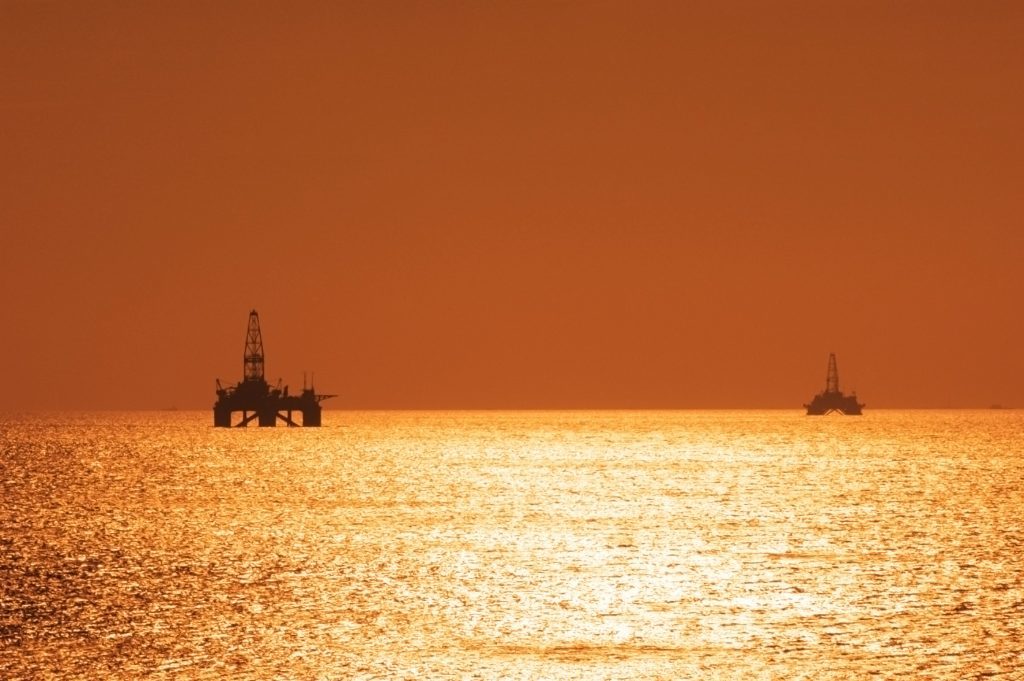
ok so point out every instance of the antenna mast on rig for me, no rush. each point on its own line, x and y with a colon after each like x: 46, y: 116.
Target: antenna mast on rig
x: 253, y: 363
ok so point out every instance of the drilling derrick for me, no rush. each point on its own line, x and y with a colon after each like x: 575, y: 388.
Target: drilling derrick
x: 253, y: 362
x: 832, y: 399
x: 256, y: 399
x: 831, y: 380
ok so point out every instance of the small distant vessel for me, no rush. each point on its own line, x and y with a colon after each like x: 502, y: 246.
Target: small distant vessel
x: 832, y: 399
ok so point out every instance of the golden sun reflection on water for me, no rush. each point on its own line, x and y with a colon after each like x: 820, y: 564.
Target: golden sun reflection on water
x: 514, y: 545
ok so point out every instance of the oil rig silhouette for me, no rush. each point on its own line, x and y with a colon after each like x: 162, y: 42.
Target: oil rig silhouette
x: 254, y: 397
x: 833, y: 400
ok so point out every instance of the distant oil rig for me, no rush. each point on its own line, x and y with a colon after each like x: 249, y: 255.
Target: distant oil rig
x: 833, y: 400
x: 254, y: 397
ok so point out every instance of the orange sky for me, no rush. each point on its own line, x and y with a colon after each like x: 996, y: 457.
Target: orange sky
x: 521, y: 204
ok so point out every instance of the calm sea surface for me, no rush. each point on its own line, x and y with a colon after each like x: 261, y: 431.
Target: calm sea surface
x: 514, y: 545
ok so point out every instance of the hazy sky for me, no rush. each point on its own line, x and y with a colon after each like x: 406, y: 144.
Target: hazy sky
x: 513, y: 204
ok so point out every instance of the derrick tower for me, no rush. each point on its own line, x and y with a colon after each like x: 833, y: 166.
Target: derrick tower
x: 253, y: 362
x: 832, y: 399
x: 831, y: 380
x: 256, y: 399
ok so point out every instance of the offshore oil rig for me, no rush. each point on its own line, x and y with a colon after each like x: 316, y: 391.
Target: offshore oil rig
x: 833, y: 400
x: 254, y: 397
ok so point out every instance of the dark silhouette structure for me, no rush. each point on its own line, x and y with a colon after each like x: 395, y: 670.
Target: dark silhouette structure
x: 833, y: 400
x: 254, y: 397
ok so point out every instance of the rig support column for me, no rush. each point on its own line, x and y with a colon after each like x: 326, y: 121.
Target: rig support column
x: 311, y: 415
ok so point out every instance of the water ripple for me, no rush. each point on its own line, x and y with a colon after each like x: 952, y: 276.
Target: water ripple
x: 582, y: 545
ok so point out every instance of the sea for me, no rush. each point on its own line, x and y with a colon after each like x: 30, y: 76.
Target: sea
x: 513, y: 545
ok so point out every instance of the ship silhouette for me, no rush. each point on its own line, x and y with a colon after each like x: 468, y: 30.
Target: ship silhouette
x: 832, y: 399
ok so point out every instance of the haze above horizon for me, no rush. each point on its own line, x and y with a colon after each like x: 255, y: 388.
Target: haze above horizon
x: 521, y: 205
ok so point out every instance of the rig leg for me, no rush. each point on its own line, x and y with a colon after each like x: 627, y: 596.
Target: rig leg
x: 311, y: 416
x: 222, y: 418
